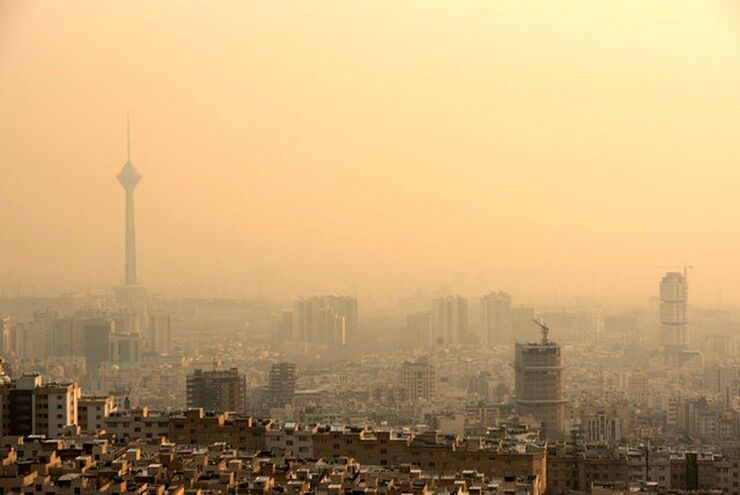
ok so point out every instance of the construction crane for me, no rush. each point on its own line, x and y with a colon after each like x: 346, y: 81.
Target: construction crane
x: 544, y: 329
x: 684, y: 268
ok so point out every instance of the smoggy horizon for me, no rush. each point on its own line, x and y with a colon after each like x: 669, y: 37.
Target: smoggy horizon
x: 562, y: 152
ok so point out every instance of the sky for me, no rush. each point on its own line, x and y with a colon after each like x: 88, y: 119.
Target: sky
x: 563, y: 150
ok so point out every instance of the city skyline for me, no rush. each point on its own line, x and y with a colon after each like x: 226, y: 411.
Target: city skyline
x: 382, y: 247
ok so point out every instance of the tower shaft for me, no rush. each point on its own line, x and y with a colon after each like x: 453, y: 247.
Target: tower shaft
x: 130, y: 239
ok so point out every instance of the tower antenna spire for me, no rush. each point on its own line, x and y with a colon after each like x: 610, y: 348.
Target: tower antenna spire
x: 128, y: 137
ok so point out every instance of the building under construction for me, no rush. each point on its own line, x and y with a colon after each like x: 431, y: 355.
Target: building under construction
x: 217, y: 390
x: 539, y: 384
x: 674, y: 319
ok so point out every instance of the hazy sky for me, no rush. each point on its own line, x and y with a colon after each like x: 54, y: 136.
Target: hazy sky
x: 565, y: 148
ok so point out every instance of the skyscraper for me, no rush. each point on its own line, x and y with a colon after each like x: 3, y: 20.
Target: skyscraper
x: 450, y: 320
x: 97, y: 332
x: 159, y: 338
x: 129, y: 178
x: 495, y: 318
x: 539, y: 384
x: 674, y: 322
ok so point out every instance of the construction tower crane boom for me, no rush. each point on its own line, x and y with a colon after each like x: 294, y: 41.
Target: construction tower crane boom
x: 544, y: 329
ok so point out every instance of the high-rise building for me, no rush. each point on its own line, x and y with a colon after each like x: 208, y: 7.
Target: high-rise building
x: 495, y: 319
x: 97, y: 332
x: 37, y: 335
x: 60, y: 336
x: 326, y: 320
x: 539, y: 384
x: 124, y: 350
x: 217, y: 390
x: 21, y: 338
x: 450, y: 320
x: 282, y: 382
x: 5, y: 336
x: 129, y: 178
x: 719, y: 379
x: 674, y: 321
x: 717, y: 348
x: 418, y: 329
x: 418, y: 380
x: 159, y: 338
x: 30, y: 407
x: 126, y: 321
x: 64, y: 336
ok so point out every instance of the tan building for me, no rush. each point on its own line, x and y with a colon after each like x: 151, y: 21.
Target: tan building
x: 137, y: 423
x: 418, y: 380
x: 292, y: 437
x: 92, y: 411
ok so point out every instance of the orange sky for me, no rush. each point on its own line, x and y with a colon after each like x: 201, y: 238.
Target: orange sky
x: 558, y: 149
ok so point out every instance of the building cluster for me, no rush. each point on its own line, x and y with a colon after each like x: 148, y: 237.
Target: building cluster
x: 574, y: 467
x: 99, y: 337
x: 325, y: 321
x: 449, y: 322
x: 139, y: 451
x: 80, y: 465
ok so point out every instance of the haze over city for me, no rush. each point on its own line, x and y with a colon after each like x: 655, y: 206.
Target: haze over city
x: 369, y: 247
x: 567, y: 151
